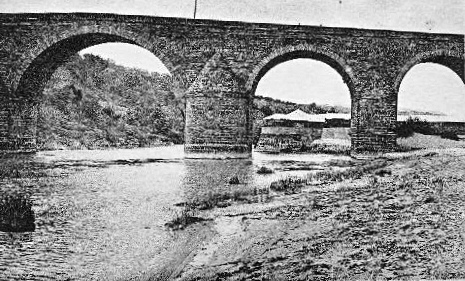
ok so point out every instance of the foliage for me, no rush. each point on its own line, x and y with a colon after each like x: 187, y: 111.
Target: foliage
x: 449, y: 135
x: 413, y: 125
x: 223, y: 198
x: 419, y: 141
x: 291, y: 185
x: 271, y: 106
x: 90, y: 102
x: 184, y: 218
x: 264, y: 170
x: 327, y: 147
x: 234, y: 180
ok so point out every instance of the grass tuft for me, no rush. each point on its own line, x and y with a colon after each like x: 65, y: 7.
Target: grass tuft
x: 234, y: 180
x: 184, y: 218
x: 264, y: 170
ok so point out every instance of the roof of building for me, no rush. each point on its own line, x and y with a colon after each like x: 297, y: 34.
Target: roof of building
x: 299, y: 115
x: 345, y: 116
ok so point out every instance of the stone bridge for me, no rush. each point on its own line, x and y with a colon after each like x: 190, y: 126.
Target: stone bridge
x: 218, y: 64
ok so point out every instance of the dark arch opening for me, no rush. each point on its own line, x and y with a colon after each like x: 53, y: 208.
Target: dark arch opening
x: 334, y: 64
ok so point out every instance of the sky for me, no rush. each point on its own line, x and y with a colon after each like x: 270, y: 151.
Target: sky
x: 426, y: 87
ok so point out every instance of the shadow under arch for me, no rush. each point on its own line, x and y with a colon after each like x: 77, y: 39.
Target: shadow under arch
x: 451, y: 60
x: 42, y: 67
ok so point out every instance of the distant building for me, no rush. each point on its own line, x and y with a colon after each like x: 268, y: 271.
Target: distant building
x: 296, y: 130
x: 293, y: 131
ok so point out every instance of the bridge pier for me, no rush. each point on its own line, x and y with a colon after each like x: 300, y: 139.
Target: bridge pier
x: 4, y: 121
x: 218, y: 108
x: 17, y: 123
x: 374, y: 118
x: 18, y: 127
x: 216, y: 127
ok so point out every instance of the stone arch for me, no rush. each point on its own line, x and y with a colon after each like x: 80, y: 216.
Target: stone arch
x: 51, y: 52
x: 447, y: 58
x: 288, y: 53
x: 302, y: 51
x: 450, y: 59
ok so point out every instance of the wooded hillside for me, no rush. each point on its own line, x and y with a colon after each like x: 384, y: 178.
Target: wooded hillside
x: 93, y: 103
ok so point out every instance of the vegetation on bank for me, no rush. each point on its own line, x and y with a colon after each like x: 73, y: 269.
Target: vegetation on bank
x: 92, y: 103
x: 329, y: 146
x: 416, y: 125
x: 292, y: 185
x: 419, y: 141
x: 415, y: 133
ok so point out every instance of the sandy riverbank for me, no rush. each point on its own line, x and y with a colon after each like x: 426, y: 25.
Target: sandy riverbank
x: 401, y: 221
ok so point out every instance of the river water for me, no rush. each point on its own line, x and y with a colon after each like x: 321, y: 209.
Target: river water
x: 101, y: 215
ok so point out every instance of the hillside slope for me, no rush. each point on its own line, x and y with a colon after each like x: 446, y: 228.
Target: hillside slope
x: 92, y: 103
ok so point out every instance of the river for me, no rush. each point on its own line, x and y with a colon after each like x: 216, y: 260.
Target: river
x: 101, y: 214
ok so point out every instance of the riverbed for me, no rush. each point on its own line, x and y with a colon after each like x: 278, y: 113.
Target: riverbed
x: 101, y: 214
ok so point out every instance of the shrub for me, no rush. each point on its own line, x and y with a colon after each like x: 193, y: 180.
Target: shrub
x: 329, y: 148
x: 413, y: 125
x: 234, y: 180
x: 337, y: 176
x: 291, y: 185
x: 449, y: 135
x: 264, y: 170
x: 184, y: 218
x: 288, y: 185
